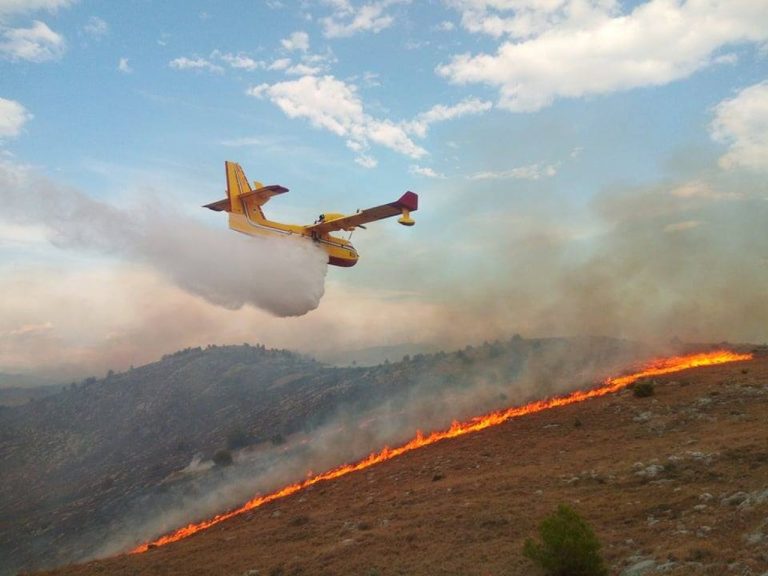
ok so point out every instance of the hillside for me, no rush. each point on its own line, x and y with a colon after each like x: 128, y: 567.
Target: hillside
x: 676, y: 483
x: 79, y: 466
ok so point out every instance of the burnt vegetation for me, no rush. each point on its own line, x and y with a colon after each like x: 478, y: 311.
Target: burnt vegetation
x: 74, y: 462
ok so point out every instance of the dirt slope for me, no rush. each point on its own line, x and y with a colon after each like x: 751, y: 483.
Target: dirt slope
x: 676, y: 483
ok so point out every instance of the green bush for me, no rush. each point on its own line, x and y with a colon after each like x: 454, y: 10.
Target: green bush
x: 569, y: 547
x: 643, y: 389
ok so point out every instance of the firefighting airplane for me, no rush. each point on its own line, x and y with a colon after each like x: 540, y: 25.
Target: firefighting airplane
x: 245, y: 215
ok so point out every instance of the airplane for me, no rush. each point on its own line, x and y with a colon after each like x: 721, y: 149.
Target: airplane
x: 244, y: 203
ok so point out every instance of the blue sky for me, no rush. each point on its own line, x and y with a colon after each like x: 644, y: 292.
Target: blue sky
x: 533, y: 130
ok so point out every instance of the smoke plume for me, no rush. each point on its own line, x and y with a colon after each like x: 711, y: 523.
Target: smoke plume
x: 483, y: 382
x: 285, y: 278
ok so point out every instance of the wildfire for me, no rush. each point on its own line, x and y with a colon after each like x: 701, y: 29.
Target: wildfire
x: 653, y: 368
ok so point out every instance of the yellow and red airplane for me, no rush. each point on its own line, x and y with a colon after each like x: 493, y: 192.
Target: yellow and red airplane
x: 245, y: 215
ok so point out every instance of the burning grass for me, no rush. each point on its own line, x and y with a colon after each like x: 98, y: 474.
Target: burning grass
x: 610, y: 385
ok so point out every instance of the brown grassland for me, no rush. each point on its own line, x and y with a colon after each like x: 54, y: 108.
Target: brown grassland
x: 676, y: 482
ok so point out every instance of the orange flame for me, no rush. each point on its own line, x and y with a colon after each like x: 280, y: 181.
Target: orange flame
x: 653, y: 368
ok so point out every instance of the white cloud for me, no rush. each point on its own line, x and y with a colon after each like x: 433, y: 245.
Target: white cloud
x: 296, y: 41
x: 280, y: 64
x: 27, y: 6
x: 742, y: 123
x: 240, y: 61
x: 237, y: 61
x: 123, y: 66
x: 440, y: 113
x: 425, y: 171
x: 185, y: 63
x: 445, y: 26
x: 573, y: 48
x: 334, y: 105
x: 96, y: 27
x: 524, y: 18
x: 303, y: 70
x: 367, y: 161
x: 35, y: 44
x: 530, y: 172
x: 371, y: 79
x: 13, y: 116
x: 348, y: 20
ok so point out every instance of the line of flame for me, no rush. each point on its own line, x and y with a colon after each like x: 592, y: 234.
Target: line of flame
x: 653, y: 368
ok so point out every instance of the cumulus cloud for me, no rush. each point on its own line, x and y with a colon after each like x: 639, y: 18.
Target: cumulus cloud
x: 525, y: 18
x: 13, y: 116
x: 366, y: 161
x: 334, y: 105
x: 348, y: 20
x: 280, y: 64
x: 238, y: 61
x: 26, y: 6
x: 296, y: 41
x: 741, y: 122
x: 37, y: 43
x: 441, y: 113
x: 425, y: 171
x: 579, y: 48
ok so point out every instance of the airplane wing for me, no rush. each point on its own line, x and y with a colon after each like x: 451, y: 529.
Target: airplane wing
x: 408, y: 202
x: 257, y: 197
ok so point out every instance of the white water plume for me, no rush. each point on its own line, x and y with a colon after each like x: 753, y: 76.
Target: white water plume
x: 285, y: 278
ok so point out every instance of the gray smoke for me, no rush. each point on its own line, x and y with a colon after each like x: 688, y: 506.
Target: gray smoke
x: 678, y: 259
x: 286, y: 278
x: 550, y: 368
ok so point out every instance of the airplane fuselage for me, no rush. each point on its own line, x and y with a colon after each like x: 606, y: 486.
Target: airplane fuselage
x: 340, y: 251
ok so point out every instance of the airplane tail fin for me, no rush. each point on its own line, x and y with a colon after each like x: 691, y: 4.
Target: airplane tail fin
x: 242, y: 200
x: 237, y: 186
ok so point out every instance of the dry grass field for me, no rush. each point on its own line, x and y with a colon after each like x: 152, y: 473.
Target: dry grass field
x: 675, y: 483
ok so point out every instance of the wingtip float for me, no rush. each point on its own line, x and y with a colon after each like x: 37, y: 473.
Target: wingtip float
x: 244, y: 205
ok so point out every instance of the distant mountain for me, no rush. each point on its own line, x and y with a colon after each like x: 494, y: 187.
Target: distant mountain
x: 8, y: 380
x: 17, y: 395
x: 376, y: 355
x: 76, y: 462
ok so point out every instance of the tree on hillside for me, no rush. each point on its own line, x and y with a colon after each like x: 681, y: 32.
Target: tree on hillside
x: 568, y: 546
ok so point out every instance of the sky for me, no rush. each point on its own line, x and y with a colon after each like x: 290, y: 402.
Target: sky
x: 583, y: 167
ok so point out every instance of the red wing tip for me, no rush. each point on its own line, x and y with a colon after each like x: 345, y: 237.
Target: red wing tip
x: 409, y: 201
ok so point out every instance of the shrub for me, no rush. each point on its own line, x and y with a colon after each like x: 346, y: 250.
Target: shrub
x: 222, y: 458
x: 277, y: 439
x: 237, y: 438
x: 569, y: 547
x: 643, y: 389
